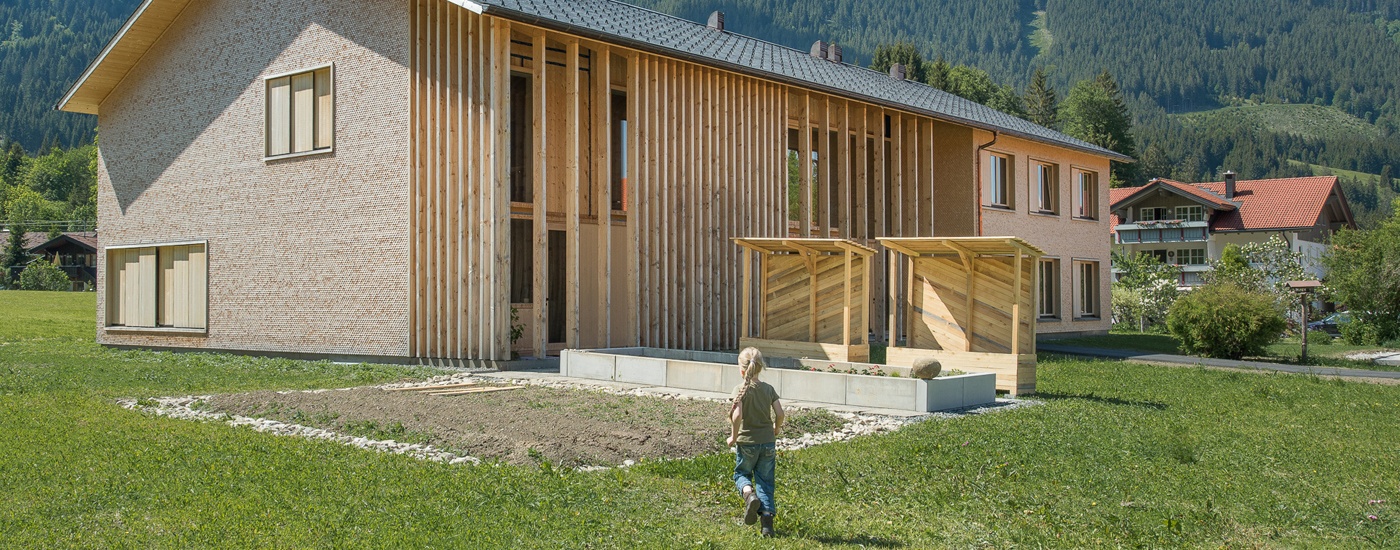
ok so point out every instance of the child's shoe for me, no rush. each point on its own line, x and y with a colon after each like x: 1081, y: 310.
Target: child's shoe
x: 767, y: 528
x: 751, y: 506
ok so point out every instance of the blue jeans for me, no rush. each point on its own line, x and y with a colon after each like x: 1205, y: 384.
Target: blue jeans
x: 754, y: 465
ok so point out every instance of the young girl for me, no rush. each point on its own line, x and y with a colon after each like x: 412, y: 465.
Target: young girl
x: 755, y: 420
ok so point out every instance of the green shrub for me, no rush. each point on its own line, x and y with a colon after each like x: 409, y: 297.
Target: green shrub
x: 1319, y: 338
x: 1225, y: 321
x: 1360, y: 333
x: 43, y: 275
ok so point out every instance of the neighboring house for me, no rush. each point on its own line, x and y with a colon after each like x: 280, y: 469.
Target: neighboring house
x: 398, y: 179
x: 1190, y: 224
x: 29, y: 240
x: 75, y: 253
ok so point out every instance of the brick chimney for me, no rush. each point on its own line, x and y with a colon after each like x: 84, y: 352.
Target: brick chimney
x: 716, y: 21
x: 1230, y: 185
x: 819, y: 49
x: 833, y: 53
x: 897, y: 71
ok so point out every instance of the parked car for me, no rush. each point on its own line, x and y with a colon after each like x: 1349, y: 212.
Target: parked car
x: 1331, y: 324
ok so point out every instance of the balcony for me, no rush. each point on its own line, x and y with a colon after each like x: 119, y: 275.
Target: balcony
x: 1166, y: 231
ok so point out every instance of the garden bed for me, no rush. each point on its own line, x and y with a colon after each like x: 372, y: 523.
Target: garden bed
x: 818, y: 381
x: 529, y: 425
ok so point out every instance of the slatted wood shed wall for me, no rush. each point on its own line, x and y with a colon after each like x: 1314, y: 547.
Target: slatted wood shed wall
x: 969, y: 302
x: 812, y: 296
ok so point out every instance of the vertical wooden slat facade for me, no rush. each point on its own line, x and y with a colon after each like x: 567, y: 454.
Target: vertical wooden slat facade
x: 706, y: 154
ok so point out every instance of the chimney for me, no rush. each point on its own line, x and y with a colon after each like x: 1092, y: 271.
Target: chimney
x: 833, y: 53
x: 819, y: 49
x: 716, y: 21
x: 1229, y: 185
x: 897, y: 71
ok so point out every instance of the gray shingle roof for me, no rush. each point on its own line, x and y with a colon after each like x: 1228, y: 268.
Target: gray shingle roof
x: 625, y: 24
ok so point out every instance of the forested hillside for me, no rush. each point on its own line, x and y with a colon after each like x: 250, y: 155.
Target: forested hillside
x: 1210, y: 85
x: 44, y: 46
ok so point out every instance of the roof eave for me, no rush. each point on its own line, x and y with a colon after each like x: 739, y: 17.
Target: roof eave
x: 528, y: 18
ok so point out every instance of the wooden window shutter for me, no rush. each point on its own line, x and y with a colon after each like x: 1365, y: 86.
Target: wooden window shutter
x: 197, y: 313
x: 325, y: 110
x: 144, y: 290
x: 279, y: 113
x: 303, y: 112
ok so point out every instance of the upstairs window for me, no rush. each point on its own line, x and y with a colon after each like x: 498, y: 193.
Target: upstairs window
x: 1191, y: 213
x: 999, y: 180
x: 300, y: 113
x: 1086, y: 199
x: 1192, y: 256
x: 1149, y: 214
x: 1047, y: 188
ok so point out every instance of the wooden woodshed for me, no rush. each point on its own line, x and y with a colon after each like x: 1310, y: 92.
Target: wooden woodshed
x: 812, y: 298
x: 968, y: 302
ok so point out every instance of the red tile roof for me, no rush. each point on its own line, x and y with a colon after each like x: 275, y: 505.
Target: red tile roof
x: 1274, y: 204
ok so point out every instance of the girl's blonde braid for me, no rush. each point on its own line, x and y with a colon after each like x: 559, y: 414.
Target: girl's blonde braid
x: 751, y: 360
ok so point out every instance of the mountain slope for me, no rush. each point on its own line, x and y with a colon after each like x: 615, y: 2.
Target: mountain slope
x: 44, y: 46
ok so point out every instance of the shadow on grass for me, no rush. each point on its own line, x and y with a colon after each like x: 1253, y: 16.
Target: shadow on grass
x: 858, y: 540
x: 1104, y: 400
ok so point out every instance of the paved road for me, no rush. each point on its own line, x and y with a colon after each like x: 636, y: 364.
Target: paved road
x: 1225, y: 363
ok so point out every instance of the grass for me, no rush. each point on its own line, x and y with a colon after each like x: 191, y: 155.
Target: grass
x: 1306, y: 120
x: 1320, y: 170
x: 1119, y: 455
x: 1287, y: 351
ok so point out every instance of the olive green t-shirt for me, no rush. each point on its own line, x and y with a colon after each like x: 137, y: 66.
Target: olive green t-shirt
x: 757, y: 407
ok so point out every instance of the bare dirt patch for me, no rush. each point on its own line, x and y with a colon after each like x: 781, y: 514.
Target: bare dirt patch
x: 565, y: 427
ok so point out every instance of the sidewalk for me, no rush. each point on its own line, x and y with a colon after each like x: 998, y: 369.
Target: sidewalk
x: 1133, y: 355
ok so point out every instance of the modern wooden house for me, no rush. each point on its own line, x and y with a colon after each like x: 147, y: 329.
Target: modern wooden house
x: 417, y: 179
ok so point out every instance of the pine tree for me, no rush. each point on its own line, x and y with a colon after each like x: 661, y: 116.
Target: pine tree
x: 14, y: 257
x: 900, y: 52
x: 1095, y: 112
x: 1042, y: 105
x: 937, y: 74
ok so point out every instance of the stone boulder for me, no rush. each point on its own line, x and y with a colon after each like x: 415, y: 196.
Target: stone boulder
x: 926, y: 368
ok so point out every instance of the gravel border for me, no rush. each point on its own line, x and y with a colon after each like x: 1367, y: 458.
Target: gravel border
x: 856, y: 424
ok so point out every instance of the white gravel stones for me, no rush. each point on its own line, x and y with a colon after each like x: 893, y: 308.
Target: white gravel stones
x: 184, y: 408
x: 856, y: 423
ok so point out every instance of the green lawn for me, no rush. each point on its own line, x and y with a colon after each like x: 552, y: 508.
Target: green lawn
x: 1288, y: 351
x: 1119, y: 455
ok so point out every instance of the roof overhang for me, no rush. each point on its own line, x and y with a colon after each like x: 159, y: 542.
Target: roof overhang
x: 1144, y: 192
x: 957, y: 246
x: 805, y: 246
x: 121, y: 53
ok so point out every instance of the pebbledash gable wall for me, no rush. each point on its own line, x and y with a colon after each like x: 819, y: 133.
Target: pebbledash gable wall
x: 1061, y: 236
x: 305, y: 255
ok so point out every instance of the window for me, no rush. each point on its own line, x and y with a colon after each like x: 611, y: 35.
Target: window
x: 1047, y: 188
x: 619, y: 150
x: 157, y: 286
x: 1191, y: 213
x: 300, y: 113
x: 1049, y: 289
x: 999, y: 181
x: 1191, y: 256
x: 522, y: 261
x: 1087, y: 302
x: 521, y: 139
x: 1087, y: 196
x: 1151, y: 214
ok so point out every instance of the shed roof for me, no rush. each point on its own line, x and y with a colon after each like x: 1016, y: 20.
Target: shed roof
x: 799, y: 246
x: 977, y: 246
x: 617, y: 22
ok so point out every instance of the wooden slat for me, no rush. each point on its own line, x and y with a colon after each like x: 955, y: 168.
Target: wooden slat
x: 635, y: 97
x: 804, y: 166
x: 499, y: 293
x: 573, y: 188
x: 539, y: 106
x: 600, y: 77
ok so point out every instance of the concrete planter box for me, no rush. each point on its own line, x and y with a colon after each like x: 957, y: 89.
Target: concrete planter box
x: 718, y: 372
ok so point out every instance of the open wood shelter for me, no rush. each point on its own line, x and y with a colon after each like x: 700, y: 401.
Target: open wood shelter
x: 812, y: 298
x: 968, y: 302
